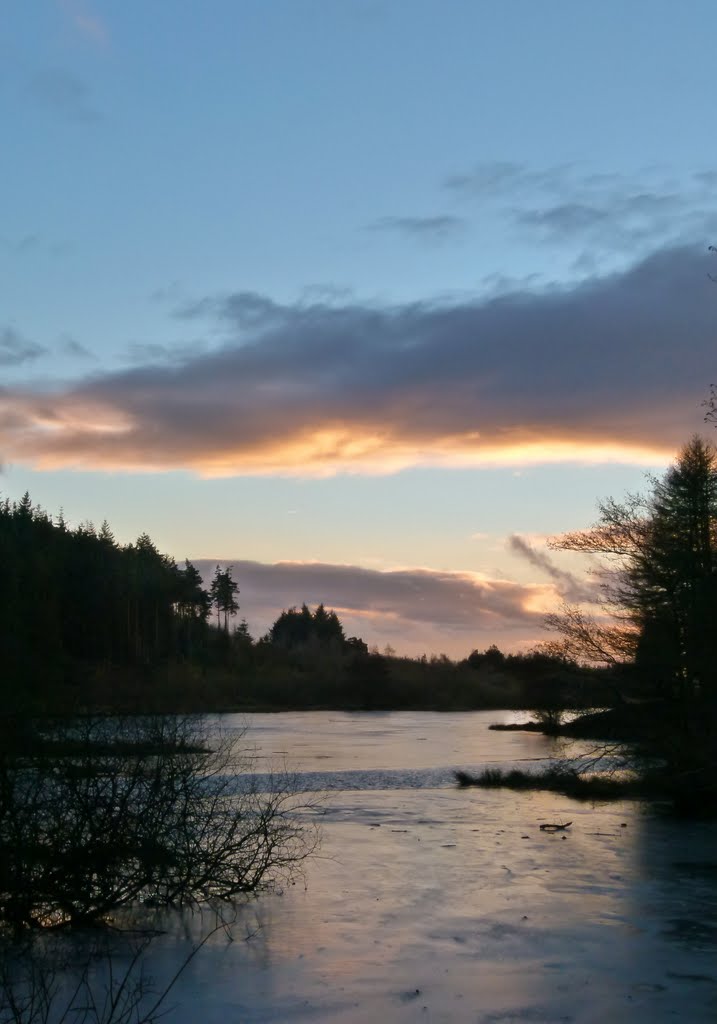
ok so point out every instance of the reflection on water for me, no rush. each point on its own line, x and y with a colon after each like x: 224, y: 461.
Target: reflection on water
x: 440, y: 904
x: 348, y: 741
x: 436, y: 904
x: 328, y: 751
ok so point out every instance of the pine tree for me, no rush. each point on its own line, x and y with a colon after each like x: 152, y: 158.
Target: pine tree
x: 674, y: 575
x: 223, y: 590
x: 659, y: 579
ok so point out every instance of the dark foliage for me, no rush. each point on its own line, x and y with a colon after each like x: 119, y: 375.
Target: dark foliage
x: 564, y: 780
x: 222, y: 593
x: 75, y: 599
x: 300, y: 628
x: 89, y: 624
x: 116, y: 812
x: 659, y: 609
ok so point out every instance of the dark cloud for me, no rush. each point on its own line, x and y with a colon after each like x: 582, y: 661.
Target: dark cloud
x: 426, y: 229
x: 493, y: 177
x: 620, y: 222
x: 614, y: 367
x: 16, y: 350
x: 154, y: 354
x: 246, y: 310
x: 706, y: 178
x: 565, y: 219
x: 21, y: 246
x: 569, y: 586
x: 71, y: 347
x: 63, y: 93
x: 452, y: 609
x: 613, y: 212
x: 146, y: 352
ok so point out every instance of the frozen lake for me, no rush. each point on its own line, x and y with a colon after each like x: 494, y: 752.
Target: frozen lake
x: 431, y: 903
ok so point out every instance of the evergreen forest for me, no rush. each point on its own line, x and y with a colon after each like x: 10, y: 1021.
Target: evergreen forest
x: 91, y: 624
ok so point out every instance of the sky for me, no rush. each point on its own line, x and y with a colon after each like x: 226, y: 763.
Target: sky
x: 366, y: 298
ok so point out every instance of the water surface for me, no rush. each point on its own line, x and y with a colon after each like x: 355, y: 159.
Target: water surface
x: 437, y: 904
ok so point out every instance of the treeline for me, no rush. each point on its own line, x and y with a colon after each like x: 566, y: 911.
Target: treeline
x: 73, y: 599
x: 87, y: 622
x: 354, y: 677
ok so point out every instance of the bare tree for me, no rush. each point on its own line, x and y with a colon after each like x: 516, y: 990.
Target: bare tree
x: 586, y: 638
x: 110, y: 813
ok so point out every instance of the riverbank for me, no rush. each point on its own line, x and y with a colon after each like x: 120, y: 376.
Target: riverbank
x: 651, y: 750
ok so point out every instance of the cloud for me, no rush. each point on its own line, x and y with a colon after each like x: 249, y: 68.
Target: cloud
x: 16, y: 350
x: 565, y: 219
x: 570, y: 587
x: 69, y: 346
x: 327, y: 293
x: 623, y: 222
x: 21, y: 246
x: 146, y: 353
x: 495, y: 177
x: 610, y: 213
x: 612, y: 369
x: 415, y: 609
x: 243, y: 311
x: 155, y: 354
x: 63, y: 93
x: 425, y: 229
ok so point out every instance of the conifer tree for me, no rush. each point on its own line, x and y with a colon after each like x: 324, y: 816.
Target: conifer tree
x: 659, y: 578
x: 223, y: 591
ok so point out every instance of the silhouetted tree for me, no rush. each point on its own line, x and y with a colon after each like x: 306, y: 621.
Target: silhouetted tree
x: 659, y: 577
x: 300, y: 628
x: 492, y: 657
x: 138, y: 810
x: 192, y: 606
x: 673, y: 577
x: 660, y: 586
x: 223, y: 590
x: 71, y: 599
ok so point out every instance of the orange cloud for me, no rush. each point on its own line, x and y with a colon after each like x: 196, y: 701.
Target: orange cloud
x: 73, y: 432
x: 416, y: 610
x: 612, y: 371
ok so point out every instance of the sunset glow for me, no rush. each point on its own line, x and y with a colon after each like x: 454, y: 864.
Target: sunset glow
x: 313, y: 338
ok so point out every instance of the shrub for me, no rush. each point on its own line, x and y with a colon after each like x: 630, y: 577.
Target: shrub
x: 105, y: 813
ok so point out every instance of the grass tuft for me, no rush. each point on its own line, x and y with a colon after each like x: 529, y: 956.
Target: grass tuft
x: 566, y: 781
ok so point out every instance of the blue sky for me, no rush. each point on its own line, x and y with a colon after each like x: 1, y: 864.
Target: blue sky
x: 349, y: 292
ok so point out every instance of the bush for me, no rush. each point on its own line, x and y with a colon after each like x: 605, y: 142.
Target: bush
x: 104, y: 813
